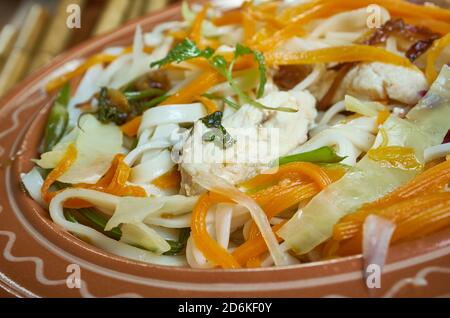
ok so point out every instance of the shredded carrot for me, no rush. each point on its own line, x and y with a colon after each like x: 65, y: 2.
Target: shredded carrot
x: 229, y: 17
x: 383, y: 116
x: 433, y: 54
x: 353, y: 53
x: 248, y: 25
x: 214, y: 253
x: 209, y: 104
x: 197, y: 87
x: 436, y: 26
x: 131, y: 127
x: 196, y: 30
x: 314, y: 172
x: 169, y: 180
x: 430, y: 181
x: 291, y: 189
x: 113, y: 182
x: 401, y: 8
x: 95, y: 59
x: 253, y: 248
x: 68, y: 159
x: 414, y: 218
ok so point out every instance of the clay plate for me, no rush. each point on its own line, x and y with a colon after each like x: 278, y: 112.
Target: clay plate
x: 35, y: 254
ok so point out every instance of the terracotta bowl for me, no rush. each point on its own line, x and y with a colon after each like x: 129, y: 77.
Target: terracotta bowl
x: 35, y: 254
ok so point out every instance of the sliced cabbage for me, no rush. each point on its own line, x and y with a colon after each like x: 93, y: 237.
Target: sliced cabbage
x: 426, y: 126
x: 140, y: 235
x: 96, y: 145
x: 369, y: 109
x: 106, y: 202
x: 33, y: 182
x: 135, y: 210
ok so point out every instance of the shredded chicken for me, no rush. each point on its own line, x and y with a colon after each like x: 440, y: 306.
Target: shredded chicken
x: 380, y: 81
x: 249, y: 127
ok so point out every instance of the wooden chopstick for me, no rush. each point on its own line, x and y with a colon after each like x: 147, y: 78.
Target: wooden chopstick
x: 8, y: 37
x: 19, y: 59
x: 137, y: 8
x: 57, y: 35
x: 155, y: 5
x: 113, y: 15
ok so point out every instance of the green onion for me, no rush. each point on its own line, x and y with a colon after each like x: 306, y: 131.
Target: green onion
x: 176, y: 247
x: 151, y: 92
x: 320, y: 155
x: 154, y: 102
x: 99, y: 220
x: 58, y: 119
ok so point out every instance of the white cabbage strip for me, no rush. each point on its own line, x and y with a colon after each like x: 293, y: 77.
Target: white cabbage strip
x: 106, y: 202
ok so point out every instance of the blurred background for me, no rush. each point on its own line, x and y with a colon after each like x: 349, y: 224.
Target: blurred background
x: 32, y: 32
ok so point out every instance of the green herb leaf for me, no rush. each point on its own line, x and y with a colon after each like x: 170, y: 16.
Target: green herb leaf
x: 223, y: 99
x: 99, y: 220
x: 219, y: 134
x: 58, y: 119
x: 184, y: 51
x: 259, y: 58
x: 320, y: 155
x: 151, y: 92
x: 176, y: 247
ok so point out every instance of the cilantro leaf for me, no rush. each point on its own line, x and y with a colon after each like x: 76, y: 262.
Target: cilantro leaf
x: 259, y: 58
x: 183, y: 51
x: 218, y: 134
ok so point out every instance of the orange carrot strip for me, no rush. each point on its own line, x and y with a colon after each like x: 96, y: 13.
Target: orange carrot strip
x: 91, y: 61
x: 253, y: 248
x: 437, y: 47
x: 213, y: 252
x: 353, y: 53
x: 314, y: 172
x: 401, y: 8
x: 68, y: 159
x: 131, y: 127
x: 209, y: 104
x: 169, y: 180
x: 434, y: 25
x: 414, y: 218
x: 197, y: 87
x: 383, y: 116
x: 431, y: 180
x: 230, y: 17
x: 196, y: 30
x: 61, y: 80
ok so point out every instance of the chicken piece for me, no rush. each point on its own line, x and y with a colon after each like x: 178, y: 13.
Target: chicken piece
x: 381, y: 81
x: 256, y: 143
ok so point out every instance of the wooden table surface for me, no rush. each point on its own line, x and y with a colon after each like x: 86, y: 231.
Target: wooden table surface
x: 32, y: 32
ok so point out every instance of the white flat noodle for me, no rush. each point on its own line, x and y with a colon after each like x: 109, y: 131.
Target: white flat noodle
x: 312, y: 78
x: 169, y: 114
x: 349, y: 139
x: 377, y: 233
x: 98, y: 239
x: 85, y: 91
x: 224, y: 213
x: 151, y: 169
